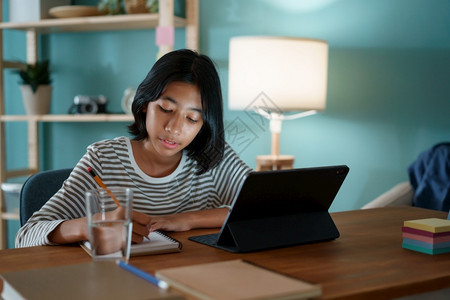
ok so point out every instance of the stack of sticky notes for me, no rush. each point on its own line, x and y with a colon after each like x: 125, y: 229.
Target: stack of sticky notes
x: 431, y: 236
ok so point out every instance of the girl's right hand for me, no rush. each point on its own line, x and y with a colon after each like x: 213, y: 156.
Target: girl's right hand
x: 141, y: 225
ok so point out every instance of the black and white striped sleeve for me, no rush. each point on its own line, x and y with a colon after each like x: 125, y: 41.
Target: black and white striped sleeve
x: 68, y: 203
x: 230, y: 175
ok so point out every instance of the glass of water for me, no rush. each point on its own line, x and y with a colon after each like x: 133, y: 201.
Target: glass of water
x: 109, y: 220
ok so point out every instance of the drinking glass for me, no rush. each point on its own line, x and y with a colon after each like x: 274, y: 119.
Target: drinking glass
x: 109, y: 220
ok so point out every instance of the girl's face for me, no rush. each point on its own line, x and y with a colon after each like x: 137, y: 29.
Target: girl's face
x: 174, y: 119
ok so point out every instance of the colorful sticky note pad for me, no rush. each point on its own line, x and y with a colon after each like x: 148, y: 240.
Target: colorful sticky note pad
x: 434, y: 225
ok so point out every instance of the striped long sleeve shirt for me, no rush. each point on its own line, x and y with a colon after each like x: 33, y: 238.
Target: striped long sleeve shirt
x: 114, y: 163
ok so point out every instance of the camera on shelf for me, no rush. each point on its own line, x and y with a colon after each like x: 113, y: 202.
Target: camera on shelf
x: 83, y: 104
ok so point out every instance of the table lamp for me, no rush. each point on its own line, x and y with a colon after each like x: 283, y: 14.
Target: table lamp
x: 280, y: 78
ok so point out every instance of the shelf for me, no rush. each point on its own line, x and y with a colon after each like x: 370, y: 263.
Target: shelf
x: 32, y: 30
x: 97, y: 23
x: 9, y: 216
x: 13, y: 65
x: 68, y: 118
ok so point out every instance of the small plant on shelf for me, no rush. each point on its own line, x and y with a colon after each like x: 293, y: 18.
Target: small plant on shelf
x: 111, y: 7
x: 117, y: 7
x: 35, y: 87
x: 35, y: 75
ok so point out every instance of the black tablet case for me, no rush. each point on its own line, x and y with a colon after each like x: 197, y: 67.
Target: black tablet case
x: 280, y: 208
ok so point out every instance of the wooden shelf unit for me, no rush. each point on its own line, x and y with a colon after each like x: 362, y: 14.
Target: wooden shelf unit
x: 97, y: 23
x: 165, y: 17
x: 68, y: 118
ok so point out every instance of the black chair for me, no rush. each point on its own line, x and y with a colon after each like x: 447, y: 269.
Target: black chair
x: 39, y: 188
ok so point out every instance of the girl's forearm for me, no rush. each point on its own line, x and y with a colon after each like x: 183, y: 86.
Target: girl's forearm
x: 70, y: 231
x: 209, y: 218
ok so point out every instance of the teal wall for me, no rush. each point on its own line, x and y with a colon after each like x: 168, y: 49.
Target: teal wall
x: 388, y: 84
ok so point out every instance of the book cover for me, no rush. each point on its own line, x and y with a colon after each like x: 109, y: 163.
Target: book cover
x: 426, y: 239
x: 434, y: 225
x: 425, y: 250
x: 156, y: 243
x: 236, y: 279
x: 424, y: 233
x: 93, y: 280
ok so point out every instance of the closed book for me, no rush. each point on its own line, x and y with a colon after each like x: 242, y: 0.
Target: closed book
x: 236, y: 279
x: 156, y: 243
x: 434, y: 225
x: 93, y: 280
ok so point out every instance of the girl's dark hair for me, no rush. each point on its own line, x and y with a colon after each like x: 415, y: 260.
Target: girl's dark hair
x: 188, y: 66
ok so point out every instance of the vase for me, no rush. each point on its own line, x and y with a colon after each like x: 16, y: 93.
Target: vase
x: 37, y: 103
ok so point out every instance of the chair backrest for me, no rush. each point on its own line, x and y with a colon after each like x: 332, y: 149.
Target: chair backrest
x: 39, y: 188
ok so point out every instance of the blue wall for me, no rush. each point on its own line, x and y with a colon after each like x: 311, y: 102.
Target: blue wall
x: 388, y: 84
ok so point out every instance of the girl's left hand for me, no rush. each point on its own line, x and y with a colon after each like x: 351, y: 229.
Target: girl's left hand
x: 208, y: 218
x: 177, y: 222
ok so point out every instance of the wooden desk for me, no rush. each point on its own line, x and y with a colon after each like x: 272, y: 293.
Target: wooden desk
x: 366, y: 262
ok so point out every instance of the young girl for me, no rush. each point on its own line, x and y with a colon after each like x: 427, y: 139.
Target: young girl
x: 178, y: 165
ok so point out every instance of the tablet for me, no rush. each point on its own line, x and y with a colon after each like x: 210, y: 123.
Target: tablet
x: 280, y: 208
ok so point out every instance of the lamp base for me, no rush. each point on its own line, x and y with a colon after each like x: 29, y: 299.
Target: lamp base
x: 274, y: 162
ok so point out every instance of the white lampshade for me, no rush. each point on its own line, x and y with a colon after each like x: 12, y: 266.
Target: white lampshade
x: 291, y: 73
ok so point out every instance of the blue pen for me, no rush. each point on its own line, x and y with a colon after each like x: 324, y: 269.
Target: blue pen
x: 143, y: 275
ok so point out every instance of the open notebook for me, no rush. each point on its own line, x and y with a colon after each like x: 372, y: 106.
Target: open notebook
x: 157, y: 243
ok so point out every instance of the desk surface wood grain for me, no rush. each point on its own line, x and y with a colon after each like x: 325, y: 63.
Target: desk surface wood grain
x: 366, y: 261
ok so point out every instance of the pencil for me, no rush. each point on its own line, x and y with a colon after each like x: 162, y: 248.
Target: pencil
x: 143, y: 275
x: 101, y: 184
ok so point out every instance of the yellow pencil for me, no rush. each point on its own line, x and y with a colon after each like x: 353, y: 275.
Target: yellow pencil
x: 101, y: 184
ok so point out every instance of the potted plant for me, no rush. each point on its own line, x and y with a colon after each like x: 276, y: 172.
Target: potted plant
x: 117, y: 7
x: 35, y: 87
